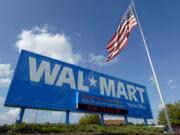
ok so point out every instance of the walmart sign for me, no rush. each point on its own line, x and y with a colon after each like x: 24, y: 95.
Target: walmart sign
x: 44, y: 83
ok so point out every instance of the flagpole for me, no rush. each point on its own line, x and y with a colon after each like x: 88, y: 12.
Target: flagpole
x: 153, y: 71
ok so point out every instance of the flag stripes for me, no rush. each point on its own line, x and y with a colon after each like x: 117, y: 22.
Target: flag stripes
x: 120, y: 38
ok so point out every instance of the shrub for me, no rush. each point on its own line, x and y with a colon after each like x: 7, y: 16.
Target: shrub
x: 90, y: 119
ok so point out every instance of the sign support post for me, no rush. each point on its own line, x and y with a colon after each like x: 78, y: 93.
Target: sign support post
x: 125, y: 120
x: 67, y: 118
x: 20, y: 115
x: 145, y: 122
x: 102, y: 119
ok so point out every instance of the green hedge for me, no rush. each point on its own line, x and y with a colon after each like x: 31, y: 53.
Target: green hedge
x: 61, y: 128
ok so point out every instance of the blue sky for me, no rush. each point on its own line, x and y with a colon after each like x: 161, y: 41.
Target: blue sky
x: 84, y: 28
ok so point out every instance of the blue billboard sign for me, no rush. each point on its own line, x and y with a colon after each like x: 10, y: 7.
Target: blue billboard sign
x: 44, y: 83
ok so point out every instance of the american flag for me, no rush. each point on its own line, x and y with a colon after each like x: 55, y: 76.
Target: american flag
x: 120, y: 38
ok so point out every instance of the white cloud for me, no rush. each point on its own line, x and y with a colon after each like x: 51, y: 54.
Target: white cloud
x: 171, y: 83
x: 5, y: 70
x: 5, y: 74
x: 74, y: 117
x: 10, y: 115
x: 58, y: 114
x: 152, y: 80
x: 5, y: 82
x: 160, y: 106
x: 99, y: 60
x: 1, y: 100
x: 54, y: 45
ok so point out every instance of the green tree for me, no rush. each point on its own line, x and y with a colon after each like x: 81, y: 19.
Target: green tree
x: 90, y: 119
x: 174, y: 114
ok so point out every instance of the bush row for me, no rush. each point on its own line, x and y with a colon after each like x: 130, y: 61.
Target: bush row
x: 61, y: 128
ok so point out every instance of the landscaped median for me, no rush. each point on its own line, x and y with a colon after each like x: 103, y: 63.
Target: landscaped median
x: 79, y: 129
